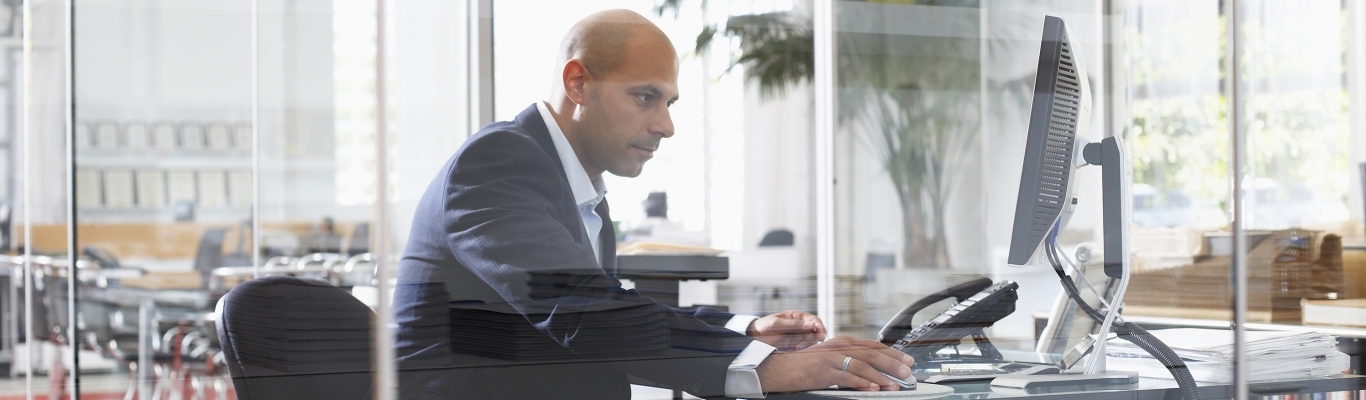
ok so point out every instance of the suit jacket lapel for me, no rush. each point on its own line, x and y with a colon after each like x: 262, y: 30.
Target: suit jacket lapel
x: 531, y: 121
x: 607, y: 238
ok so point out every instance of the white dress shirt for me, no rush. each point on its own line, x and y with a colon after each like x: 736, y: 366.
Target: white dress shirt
x: 741, y: 379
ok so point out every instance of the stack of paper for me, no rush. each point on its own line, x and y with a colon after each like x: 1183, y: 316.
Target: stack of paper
x: 667, y: 249
x: 1208, y: 354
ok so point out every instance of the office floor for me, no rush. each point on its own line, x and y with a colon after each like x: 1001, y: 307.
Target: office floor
x: 113, y: 387
x: 93, y: 387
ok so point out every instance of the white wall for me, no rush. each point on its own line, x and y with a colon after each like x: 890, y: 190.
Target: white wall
x: 430, y: 69
x: 189, y: 61
x: 46, y: 120
x: 779, y: 178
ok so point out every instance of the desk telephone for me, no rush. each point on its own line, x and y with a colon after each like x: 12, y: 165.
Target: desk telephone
x: 980, y: 304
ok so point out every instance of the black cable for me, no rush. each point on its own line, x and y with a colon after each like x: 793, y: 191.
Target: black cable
x: 1128, y: 331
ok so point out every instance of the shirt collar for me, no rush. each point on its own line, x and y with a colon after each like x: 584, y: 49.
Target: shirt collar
x: 586, y: 191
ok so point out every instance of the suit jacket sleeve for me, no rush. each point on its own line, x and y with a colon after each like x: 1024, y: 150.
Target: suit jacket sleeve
x: 710, y: 315
x: 502, y: 223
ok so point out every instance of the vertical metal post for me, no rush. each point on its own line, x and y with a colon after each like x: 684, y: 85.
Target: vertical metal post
x: 145, y: 334
x: 26, y: 123
x: 824, y: 81
x: 145, y: 309
x: 255, y: 140
x: 386, y: 376
x: 706, y: 136
x: 1237, y: 133
x: 72, y: 331
x: 984, y: 115
x: 479, y: 63
x: 1356, y: 89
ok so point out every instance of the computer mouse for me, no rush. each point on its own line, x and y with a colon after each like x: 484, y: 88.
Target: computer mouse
x: 908, y: 384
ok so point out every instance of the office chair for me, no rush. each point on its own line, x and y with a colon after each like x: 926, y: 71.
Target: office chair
x: 777, y: 238
x: 359, y: 242
x: 209, y: 254
x: 289, y: 338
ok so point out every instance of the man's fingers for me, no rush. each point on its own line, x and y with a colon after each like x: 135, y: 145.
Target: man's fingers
x: 892, y: 364
x: 897, y: 355
x: 819, y: 328
x: 865, y: 377
x: 887, y: 351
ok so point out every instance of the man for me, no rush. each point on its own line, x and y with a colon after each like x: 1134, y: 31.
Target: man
x: 516, y: 222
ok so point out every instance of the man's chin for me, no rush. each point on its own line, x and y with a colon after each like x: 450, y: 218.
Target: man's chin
x: 628, y: 172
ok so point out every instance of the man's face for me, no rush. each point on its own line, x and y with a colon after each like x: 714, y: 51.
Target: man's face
x: 626, y: 113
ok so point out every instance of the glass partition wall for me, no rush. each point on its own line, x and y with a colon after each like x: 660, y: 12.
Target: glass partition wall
x: 181, y: 149
x: 846, y: 158
x: 930, y: 118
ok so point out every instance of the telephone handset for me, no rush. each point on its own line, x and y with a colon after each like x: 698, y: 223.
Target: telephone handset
x: 980, y: 304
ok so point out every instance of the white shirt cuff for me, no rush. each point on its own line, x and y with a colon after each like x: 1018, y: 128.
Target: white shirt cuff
x: 740, y: 323
x: 741, y: 379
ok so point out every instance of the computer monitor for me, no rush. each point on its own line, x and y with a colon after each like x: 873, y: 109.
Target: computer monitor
x: 1047, y: 197
x: 1054, y: 149
x: 1062, y: 107
x: 1061, y: 112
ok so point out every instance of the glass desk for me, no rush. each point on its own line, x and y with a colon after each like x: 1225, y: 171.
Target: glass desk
x: 1146, y: 388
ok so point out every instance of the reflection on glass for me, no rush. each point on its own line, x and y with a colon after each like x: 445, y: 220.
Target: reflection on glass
x: 909, y: 146
x: 153, y: 215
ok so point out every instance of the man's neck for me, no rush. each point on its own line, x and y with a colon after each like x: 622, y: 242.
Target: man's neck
x: 562, y: 109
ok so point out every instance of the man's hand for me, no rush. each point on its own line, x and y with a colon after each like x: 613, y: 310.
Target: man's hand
x: 819, y: 366
x: 788, y: 330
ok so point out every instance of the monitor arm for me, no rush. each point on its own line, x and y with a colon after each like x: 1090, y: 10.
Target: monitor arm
x: 1115, y: 181
x: 1115, y: 176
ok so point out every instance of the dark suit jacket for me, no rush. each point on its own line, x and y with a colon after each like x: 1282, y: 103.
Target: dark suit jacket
x: 500, y: 213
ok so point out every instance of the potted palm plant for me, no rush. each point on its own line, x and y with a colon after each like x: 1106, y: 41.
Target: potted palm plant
x: 915, y: 113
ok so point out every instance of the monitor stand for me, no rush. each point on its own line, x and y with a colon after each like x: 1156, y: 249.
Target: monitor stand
x: 1115, y: 179
x: 1043, y: 382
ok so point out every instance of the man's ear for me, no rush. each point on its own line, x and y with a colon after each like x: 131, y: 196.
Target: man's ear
x: 575, y: 78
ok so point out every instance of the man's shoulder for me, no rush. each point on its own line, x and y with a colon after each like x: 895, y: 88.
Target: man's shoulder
x: 502, y: 148
x: 522, y: 136
x: 499, y: 139
x: 501, y: 132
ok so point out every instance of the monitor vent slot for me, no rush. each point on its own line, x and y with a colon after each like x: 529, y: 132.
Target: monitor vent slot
x: 1057, y: 160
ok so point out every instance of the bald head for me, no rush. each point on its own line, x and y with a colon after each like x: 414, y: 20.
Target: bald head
x: 602, y: 41
x: 618, y: 76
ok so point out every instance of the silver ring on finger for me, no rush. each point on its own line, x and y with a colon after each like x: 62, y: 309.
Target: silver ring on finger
x: 845, y: 367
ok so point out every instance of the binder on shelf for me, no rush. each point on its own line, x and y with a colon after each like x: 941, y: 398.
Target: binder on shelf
x: 151, y: 189
x: 118, y: 189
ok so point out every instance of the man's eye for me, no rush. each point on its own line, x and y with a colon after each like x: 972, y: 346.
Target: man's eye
x: 645, y: 98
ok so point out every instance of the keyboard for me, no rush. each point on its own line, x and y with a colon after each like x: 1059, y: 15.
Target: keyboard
x: 950, y: 373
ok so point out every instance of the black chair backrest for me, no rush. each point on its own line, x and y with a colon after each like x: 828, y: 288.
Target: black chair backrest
x: 210, y: 252
x: 777, y: 238
x: 360, y: 239
x: 289, y: 338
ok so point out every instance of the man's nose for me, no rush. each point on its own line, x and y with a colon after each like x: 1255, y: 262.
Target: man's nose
x: 664, y: 126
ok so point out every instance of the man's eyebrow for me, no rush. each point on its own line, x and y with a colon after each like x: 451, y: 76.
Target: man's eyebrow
x: 654, y: 90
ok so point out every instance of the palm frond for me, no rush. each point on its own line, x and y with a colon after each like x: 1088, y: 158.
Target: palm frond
x: 777, y: 49
x: 663, y: 6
